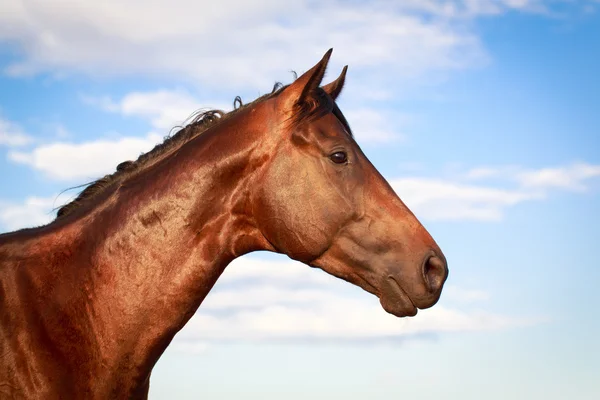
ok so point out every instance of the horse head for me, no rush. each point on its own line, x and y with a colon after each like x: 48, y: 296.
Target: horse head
x: 322, y: 202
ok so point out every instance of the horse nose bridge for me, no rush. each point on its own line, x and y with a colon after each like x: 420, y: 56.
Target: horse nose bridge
x: 410, y: 230
x: 399, y: 223
x: 387, y: 200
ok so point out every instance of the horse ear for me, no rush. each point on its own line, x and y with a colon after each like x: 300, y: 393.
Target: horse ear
x: 335, y: 88
x: 305, y: 84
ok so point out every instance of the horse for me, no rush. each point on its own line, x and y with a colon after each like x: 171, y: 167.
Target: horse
x: 90, y: 301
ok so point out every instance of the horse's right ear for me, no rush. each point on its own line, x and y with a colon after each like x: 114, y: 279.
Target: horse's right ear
x: 298, y: 91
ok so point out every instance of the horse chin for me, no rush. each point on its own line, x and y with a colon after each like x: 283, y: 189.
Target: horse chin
x: 394, y: 299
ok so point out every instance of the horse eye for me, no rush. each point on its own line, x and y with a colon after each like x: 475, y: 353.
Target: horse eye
x: 339, y: 157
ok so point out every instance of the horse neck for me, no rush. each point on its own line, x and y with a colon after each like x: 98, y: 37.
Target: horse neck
x: 159, y: 242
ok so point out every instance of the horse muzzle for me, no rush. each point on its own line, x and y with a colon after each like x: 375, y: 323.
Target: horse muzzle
x: 403, y: 299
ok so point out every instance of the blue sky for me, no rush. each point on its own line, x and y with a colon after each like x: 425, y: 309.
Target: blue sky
x: 483, y: 115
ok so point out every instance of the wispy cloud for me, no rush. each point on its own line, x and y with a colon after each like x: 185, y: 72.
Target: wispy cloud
x: 437, y: 199
x: 285, y: 300
x: 34, y: 211
x: 84, y: 161
x: 238, y: 44
x: 12, y: 135
x: 164, y: 109
x: 484, y: 196
x: 573, y: 177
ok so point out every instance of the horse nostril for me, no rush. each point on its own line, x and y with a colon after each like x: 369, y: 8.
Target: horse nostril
x: 435, y: 272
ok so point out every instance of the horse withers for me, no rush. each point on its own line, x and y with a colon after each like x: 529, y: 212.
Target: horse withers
x: 89, y: 302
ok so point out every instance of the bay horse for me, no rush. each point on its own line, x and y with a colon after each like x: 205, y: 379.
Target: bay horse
x: 89, y: 302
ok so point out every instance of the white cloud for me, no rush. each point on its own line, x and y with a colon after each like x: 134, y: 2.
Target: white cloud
x: 235, y: 44
x: 266, y: 300
x: 437, y: 199
x: 472, y: 8
x: 572, y: 177
x: 164, y: 109
x: 337, y: 319
x: 284, y: 273
x: 84, y: 161
x: 447, y: 199
x: 34, y: 211
x: 12, y: 135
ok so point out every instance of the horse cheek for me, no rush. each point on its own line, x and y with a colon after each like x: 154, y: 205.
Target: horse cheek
x: 296, y: 215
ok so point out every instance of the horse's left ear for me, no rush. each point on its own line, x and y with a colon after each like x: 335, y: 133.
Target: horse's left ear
x: 298, y: 91
x: 335, y: 88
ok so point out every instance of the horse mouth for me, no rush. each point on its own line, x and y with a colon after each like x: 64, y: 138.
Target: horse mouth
x: 395, y: 300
